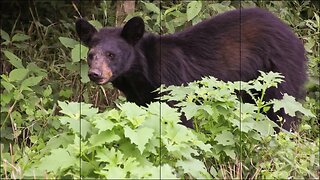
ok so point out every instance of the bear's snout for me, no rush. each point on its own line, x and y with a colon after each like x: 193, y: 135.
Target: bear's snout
x: 100, y: 75
x: 94, y: 74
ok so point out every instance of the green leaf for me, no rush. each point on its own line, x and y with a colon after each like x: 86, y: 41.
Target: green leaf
x: 8, y: 86
x: 190, y: 109
x: 84, y: 73
x: 88, y: 110
x: 189, y: 165
x: 291, y: 106
x: 264, y: 127
x: 47, y: 92
x: 225, y: 138
x: 5, y: 36
x: 115, y: 173
x: 167, y: 172
x: 140, y: 136
x: 20, y: 37
x: 59, y: 159
x: 13, y: 59
x: 71, y: 109
x: 31, y: 81
x: 169, y: 114
x: 65, y: 93
x: 112, y: 156
x: 34, y: 68
x: 79, y: 52
x: 152, y: 7
x: 103, y: 137
x: 79, y: 126
x: 103, y: 124
x: 96, y: 24
x: 18, y: 74
x: 220, y: 8
x: 134, y: 113
x: 68, y: 42
x: 193, y: 9
x: 230, y: 153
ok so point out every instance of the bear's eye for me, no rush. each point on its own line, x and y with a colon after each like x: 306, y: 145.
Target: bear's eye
x: 110, y: 55
x: 90, y: 57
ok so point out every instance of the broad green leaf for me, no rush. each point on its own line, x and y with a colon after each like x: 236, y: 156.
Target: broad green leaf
x: 79, y: 52
x: 193, y: 9
x: 170, y: 27
x: 59, y: 159
x: 230, y: 153
x: 195, y: 167
x: 71, y: 109
x: 68, y: 42
x: 140, y: 136
x: 154, y: 108
x: 152, y: 7
x: 31, y: 81
x: 291, y: 106
x: 113, y: 157
x: 65, y: 93
x: 134, y: 113
x: 88, y: 110
x: 146, y: 172
x: 96, y: 24
x: 220, y: 8
x: 20, y: 37
x: 84, y: 73
x: 61, y: 140
x: 264, y: 127
x: 309, y: 45
x: 167, y: 172
x: 80, y: 126
x: 190, y: 109
x: 114, y: 172
x: 114, y: 114
x: 18, y: 74
x: 85, y: 127
x: 169, y: 114
x: 103, y: 137
x: 130, y: 164
x: 34, y: 68
x: 103, y: 124
x: 47, y: 92
x: 13, y: 59
x: 5, y: 36
x: 8, y: 86
x: 225, y: 138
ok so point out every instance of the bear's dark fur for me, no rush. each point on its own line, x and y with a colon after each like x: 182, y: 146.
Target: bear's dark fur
x: 232, y: 46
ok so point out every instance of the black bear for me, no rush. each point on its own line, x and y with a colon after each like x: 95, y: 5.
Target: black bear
x: 231, y: 46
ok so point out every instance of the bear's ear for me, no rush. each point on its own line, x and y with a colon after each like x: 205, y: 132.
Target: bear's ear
x: 85, y: 30
x: 133, y: 30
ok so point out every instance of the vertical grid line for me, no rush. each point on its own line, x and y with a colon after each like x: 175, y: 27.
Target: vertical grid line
x: 160, y: 88
x: 240, y: 26
x: 80, y: 175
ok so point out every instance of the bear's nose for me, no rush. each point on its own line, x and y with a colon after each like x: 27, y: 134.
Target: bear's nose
x: 94, y: 74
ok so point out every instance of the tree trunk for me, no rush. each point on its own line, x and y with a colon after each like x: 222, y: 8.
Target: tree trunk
x: 123, y: 9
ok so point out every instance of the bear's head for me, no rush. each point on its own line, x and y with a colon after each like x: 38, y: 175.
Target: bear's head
x: 111, y: 50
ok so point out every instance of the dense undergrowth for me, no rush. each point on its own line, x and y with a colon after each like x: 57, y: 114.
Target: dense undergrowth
x: 56, y: 124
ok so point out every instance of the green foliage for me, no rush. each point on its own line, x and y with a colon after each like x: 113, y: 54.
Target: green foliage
x: 44, y: 67
x: 136, y: 142
x: 121, y: 144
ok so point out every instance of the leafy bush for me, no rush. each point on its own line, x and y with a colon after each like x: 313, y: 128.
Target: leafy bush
x: 136, y: 142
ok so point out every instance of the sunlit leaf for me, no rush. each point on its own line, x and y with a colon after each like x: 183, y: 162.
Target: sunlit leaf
x: 193, y: 9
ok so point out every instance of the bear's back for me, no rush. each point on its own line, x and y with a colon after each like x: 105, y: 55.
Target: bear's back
x: 234, y: 46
